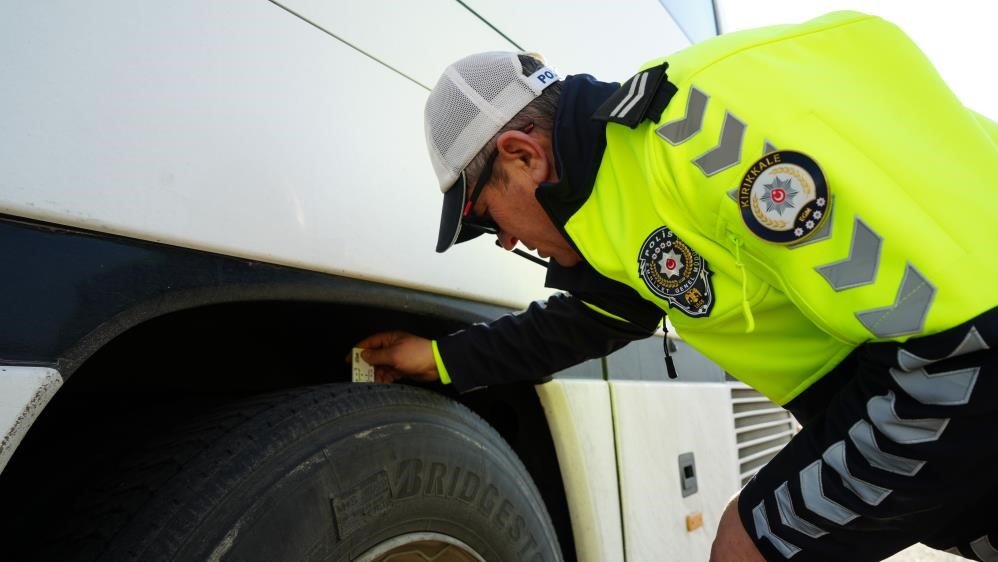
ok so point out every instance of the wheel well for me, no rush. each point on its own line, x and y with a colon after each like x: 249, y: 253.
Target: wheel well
x: 195, y: 359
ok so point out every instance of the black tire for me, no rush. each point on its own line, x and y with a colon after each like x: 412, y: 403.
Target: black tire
x: 334, y: 472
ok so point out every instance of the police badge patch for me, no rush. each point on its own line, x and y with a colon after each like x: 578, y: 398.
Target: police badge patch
x: 783, y: 197
x: 676, y: 273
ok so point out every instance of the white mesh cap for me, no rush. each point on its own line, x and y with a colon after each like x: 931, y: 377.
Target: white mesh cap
x: 473, y: 99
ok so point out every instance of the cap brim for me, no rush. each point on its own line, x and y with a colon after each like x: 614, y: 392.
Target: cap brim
x: 450, y: 217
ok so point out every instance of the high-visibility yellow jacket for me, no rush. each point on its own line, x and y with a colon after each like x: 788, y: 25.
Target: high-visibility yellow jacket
x: 902, y: 240
x: 806, y: 189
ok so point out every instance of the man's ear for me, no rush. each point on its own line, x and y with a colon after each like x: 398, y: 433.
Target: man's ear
x: 519, y: 151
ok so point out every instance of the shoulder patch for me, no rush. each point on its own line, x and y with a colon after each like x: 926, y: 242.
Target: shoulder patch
x: 644, y: 96
x: 674, y: 272
x: 783, y: 197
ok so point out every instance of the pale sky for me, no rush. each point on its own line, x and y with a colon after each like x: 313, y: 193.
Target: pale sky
x: 959, y: 36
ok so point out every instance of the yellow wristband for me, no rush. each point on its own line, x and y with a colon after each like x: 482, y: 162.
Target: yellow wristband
x: 441, y: 368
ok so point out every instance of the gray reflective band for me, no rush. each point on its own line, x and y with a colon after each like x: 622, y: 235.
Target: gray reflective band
x: 907, y: 314
x: 860, y: 268
x: 790, y: 518
x: 882, y: 414
x: 909, y: 361
x: 762, y: 531
x: 862, y: 436
x: 835, y: 456
x: 728, y: 151
x: 767, y: 147
x: 630, y: 100
x: 971, y: 342
x: 984, y: 550
x: 951, y: 388
x: 815, y: 499
x: 733, y: 194
x: 823, y: 232
x: 681, y: 130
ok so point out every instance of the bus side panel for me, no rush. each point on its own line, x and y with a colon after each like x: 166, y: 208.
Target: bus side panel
x: 579, y: 415
x: 655, y: 423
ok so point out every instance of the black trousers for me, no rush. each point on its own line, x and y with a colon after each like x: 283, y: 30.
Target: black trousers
x: 900, y: 445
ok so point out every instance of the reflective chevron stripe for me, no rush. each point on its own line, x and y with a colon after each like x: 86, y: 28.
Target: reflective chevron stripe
x: 862, y: 436
x: 860, y: 268
x: 790, y: 518
x: 984, y: 550
x: 728, y: 151
x: 971, y: 342
x: 951, y: 388
x: 835, y: 456
x: 762, y: 531
x: 907, y: 314
x: 681, y: 130
x: 883, y: 415
x: 816, y: 500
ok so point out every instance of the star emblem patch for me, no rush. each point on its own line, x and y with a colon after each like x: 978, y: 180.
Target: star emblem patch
x: 671, y: 264
x: 779, y: 195
x: 782, y: 197
x: 674, y: 272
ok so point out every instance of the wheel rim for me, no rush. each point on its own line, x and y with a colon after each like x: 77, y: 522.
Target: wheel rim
x: 421, y: 547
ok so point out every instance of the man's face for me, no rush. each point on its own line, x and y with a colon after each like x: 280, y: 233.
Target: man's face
x: 526, y: 162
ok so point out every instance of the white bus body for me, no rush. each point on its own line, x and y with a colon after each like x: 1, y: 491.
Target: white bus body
x: 290, y: 133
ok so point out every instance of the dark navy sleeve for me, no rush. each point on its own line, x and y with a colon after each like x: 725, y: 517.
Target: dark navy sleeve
x: 547, y: 337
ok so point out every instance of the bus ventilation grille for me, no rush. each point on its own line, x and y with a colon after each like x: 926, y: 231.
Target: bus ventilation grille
x: 761, y: 428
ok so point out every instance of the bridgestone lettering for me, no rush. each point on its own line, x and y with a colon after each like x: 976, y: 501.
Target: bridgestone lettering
x: 413, y: 478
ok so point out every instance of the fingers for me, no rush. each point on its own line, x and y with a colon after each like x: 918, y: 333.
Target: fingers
x: 380, y: 357
x: 380, y: 339
x: 385, y: 375
x: 397, y: 355
x: 384, y: 350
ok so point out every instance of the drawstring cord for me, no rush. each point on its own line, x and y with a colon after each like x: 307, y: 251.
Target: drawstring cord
x: 746, y: 310
x: 670, y: 367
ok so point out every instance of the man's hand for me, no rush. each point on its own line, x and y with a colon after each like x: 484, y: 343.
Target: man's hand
x: 732, y: 543
x: 397, y: 355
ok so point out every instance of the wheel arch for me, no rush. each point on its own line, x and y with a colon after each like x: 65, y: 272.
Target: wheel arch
x: 203, y: 323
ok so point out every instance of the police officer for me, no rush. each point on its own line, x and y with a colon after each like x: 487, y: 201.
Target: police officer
x: 814, y: 210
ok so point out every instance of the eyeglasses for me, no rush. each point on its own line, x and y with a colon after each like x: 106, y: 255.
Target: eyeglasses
x: 485, y: 224
x: 468, y: 218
